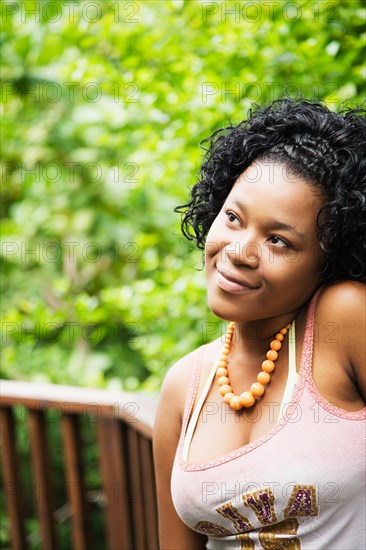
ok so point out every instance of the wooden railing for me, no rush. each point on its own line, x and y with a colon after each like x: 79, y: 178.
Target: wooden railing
x: 123, y: 431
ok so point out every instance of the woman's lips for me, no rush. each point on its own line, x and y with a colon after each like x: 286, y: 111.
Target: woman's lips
x: 229, y: 282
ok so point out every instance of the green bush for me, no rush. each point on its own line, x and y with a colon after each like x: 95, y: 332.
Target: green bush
x: 104, y: 105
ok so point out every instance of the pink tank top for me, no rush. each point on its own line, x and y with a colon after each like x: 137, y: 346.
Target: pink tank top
x: 300, y: 486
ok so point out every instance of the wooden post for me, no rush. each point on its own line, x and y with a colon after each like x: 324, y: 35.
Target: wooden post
x: 148, y: 484
x: 42, y: 474
x: 136, y: 490
x: 113, y: 471
x: 75, y: 481
x: 13, y: 496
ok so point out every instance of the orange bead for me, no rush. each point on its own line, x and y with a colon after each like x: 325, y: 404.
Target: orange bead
x: 279, y: 336
x: 228, y: 397
x: 263, y: 378
x: 247, y: 399
x: 221, y: 372
x: 257, y: 389
x: 288, y: 326
x: 223, y: 380
x: 235, y: 403
x: 283, y: 331
x: 275, y: 344
x: 222, y: 364
x: 268, y: 366
x: 224, y: 355
x: 225, y: 389
x: 272, y: 355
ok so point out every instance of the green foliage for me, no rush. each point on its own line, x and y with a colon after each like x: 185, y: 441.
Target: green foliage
x: 104, y: 105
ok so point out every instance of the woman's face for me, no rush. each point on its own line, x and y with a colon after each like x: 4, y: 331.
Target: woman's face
x: 262, y: 255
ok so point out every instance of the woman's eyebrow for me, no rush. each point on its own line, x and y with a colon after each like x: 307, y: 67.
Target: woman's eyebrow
x: 274, y: 224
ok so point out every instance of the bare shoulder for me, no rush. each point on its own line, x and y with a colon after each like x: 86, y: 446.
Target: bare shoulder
x: 342, y: 298
x: 344, y: 304
x: 341, y: 319
x: 174, y: 388
x: 177, y: 379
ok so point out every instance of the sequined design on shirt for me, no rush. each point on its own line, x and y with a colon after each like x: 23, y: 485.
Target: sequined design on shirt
x: 209, y: 528
x: 262, y: 503
x: 302, y: 502
x: 246, y: 543
x: 231, y: 513
x: 269, y: 540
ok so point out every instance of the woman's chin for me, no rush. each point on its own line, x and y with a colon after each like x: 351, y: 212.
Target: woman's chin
x: 222, y: 311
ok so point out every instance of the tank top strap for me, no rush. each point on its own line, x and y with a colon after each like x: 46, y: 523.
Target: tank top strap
x: 192, y: 388
x: 188, y: 433
x: 293, y: 375
x: 308, y: 344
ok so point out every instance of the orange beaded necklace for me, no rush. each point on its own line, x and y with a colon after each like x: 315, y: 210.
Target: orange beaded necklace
x: 247, y: 398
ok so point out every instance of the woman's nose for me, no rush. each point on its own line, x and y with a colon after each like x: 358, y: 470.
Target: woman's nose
x: 243, y: 252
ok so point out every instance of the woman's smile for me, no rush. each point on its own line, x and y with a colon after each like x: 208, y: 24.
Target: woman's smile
x: 231, y: 282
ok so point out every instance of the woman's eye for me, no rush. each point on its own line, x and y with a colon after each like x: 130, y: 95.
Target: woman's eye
x: 232, y: 218
x: 278, y: 241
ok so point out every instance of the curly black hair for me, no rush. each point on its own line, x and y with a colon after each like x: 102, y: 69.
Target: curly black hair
x: 325, y: 148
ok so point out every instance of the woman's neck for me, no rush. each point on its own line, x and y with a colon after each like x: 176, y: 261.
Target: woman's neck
x: 252, y: 339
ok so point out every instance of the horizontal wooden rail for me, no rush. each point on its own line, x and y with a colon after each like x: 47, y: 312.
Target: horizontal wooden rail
x: 122, y: 422
x: 131, y: 407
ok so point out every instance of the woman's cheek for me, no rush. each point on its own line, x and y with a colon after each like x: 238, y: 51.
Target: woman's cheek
x: 211, y: 247
x: 215, y: 238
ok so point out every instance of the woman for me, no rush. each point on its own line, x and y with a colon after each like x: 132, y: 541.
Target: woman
x: 259, y: 437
